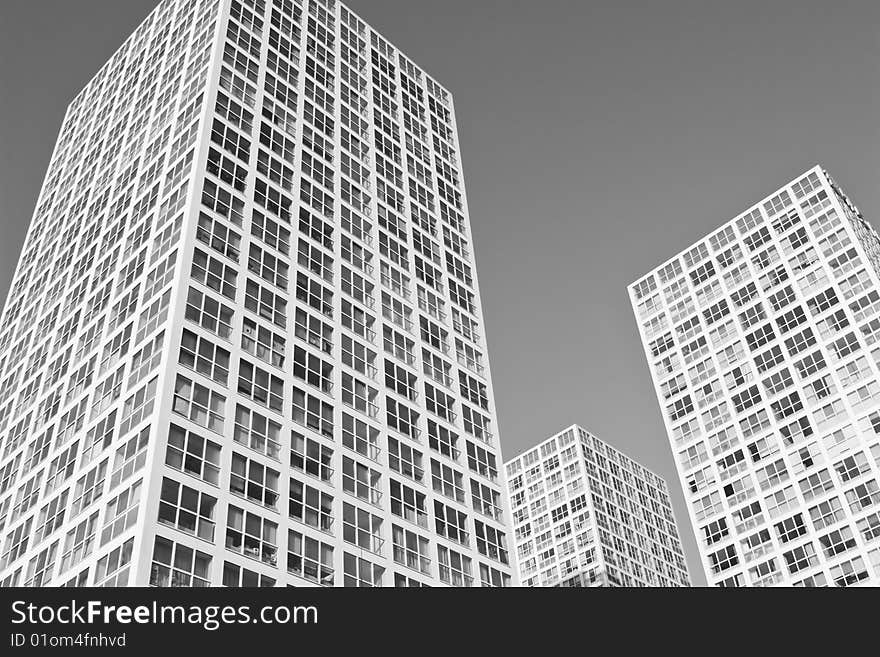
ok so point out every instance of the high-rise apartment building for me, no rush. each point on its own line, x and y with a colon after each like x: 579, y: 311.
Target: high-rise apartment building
x: 762, y: 343
x: 243, y: 344
x: 587, y: 515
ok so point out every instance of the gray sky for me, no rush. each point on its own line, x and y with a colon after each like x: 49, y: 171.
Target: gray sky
x: 598, y: 139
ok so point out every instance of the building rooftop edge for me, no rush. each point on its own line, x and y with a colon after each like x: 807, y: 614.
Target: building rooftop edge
x: 729, y: 222
x: 575, y: 425
x: 149, y: 15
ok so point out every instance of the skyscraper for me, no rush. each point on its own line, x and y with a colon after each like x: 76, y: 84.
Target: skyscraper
x: 243, y: 344
x: 762, y: 343
x: 587, y: 515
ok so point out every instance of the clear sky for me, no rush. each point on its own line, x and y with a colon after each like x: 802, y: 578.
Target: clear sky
x: 598, y: 139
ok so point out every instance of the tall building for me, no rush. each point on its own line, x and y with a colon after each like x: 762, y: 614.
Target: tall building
x: 587, y: 515
x: 762, y: 343
x: 244, y: 344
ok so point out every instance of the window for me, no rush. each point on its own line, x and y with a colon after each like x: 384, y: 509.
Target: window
x: 51, y: 516
x: 357, y: 435
x: 758, y: 238
x: 801, y: 558
x: 358, y: 356
x: 266, y: 304
x: 198, y: 404
x: 358, y: 395
x: 310, y: 456
x: 405, y: 459
x: 443, y: 440
x: 208, y: 313
x: 251, y: 535
x: 112, y: 569
x: 410, y: 549
x: 769, y: 359
x: 485, y: 500
x: 450, y: 523
x: 409, y: 504
x: 822, y: 302
x: 772, y: 474
x: 397, y: 344
x: 837, y: 542
x: 693, y: 456
x: 192, y: 454
x: 257, y: 432
x: 146, y: 359
x: 88, y: 488
x: 703, y: 273
x: 781, y: 501
x: 175, y: 564
x: 79, y: 542
x: 362, y: 528
x: 760, y: 337
x: 311, y: 369
x: 252, y: 479
x: 863, y: 496
x: 262, y: 387
x: 400, y: 381
x: 787, y: 406
x: 310, y: 505
x: 218, y: 236
x: 361, y: 481
x: 313, y: 331
x: 455, y: 569
x: 203, y: 356
x: 852, y: 466
x: 60, y: 469
x: 843, y: 347
x: 439, y: 403
x: 187, y: 509
x: 811, y: 364
x: 267, y: 266
x: 226, y: 169
x: 107, y: 392
x: 222, y: 202
x: 816, y: 484
x: 360, y: 572
x: 723, y: 559
x: 849, y: 572
x: 800, y: 341
x: 263, y: 343
x: 481, y: 461
x: 715, y: 531
x: 311, y: 257
x: 746, y: 399
x: 130, y: 457
x: 270, y: 232
x: 791, y: 528
x: 309, y: 558
x: 121, y: 512
x: 447, y: 481
x: 213, y: 273
x: 314, y: 294
x: 869, y: 526
x: 236, y: 576
x: 312, y: 412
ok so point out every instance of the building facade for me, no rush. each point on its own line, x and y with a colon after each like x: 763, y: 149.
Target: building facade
x: 762, y: 344
x: 587, y: 515
x: 243, y: 345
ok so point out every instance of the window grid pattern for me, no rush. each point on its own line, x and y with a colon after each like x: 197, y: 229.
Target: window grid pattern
x: 388, y: 195
x: 812, y: 419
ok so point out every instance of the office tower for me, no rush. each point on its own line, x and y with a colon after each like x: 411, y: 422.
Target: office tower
x: 761, y: 340
x: 585, y: 514
x: 243, y: 345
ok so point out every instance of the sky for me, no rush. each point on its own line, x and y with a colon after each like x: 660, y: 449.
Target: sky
x: 598, y: 139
